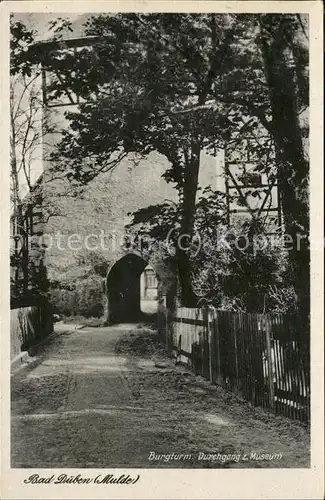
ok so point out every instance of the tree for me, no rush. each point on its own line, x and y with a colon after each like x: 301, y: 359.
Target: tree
x: 181, y: 83
x: 29, y: 130
x: 272, y: 86
x: 155, y: 91
x: 247, y: 272
x: 238, y: 268
x: 23, y: 138
x: 285, y: 56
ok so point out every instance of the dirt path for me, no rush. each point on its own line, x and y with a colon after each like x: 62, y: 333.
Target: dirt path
x: 109, y: 397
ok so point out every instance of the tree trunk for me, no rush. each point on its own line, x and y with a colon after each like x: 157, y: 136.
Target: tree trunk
x: 293, y: 168
x: 189, y: 298
x: 18, y: 219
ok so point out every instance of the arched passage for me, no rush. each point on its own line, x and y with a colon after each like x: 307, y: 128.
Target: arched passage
x: 123, y: 289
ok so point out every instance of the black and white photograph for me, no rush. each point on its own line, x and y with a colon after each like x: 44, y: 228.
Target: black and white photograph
x: 160, y: 245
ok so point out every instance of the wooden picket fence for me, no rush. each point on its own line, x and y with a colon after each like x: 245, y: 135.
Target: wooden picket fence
x: 263, y: 358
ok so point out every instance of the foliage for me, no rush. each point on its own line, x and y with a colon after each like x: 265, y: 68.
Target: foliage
x: 284, y: 48
x: 33, y: 290
x: 225, y: 273
x: 162, y: 223
x: 80, y: 290
x: 96, y: 262
x: 155, y: 92
x: 243, y: 269
x: 29, y: 132
x: 84, y: 297
x: 180, y: 84
x: 21, y: 59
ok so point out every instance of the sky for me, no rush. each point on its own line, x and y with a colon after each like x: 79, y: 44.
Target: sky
x: 40, y: 22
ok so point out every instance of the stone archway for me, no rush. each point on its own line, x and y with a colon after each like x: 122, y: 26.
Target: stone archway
x: 123, y: 289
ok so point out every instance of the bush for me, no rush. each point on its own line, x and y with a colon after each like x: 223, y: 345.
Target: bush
x: 253, y: 279
x: 78, y: 291
x: 96, y: 262
x: 84, y: 298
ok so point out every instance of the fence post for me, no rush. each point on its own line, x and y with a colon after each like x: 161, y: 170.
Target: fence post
x: 205, y: 363
x: 170, y: 327
x: 216, y: 336
x: 234, y: 332
x: 171, y: 312
x: 268, y: 333
x: 202, y: 317
x: 212, y: 354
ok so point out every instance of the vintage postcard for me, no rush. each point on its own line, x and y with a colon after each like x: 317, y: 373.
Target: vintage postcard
x: 162, y: 258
